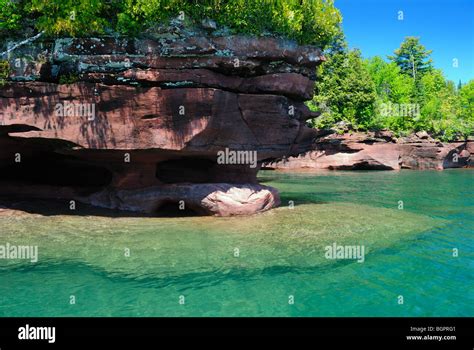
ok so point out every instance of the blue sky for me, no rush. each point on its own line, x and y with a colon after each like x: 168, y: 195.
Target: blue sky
x: 444, y: 26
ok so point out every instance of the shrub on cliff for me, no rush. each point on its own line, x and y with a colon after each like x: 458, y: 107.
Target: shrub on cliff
x: 4, y: 72
x: 10, y: 15
x: 307, y: 21
x: 67, y: 17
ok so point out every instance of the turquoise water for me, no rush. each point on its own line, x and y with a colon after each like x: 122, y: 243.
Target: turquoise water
x: 254, y: 266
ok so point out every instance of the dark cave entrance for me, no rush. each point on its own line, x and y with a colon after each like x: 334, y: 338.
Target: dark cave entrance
x: 186, y: 170
x: 55, y: 170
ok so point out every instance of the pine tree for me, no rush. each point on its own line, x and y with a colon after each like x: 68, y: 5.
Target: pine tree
x: 413, y: 58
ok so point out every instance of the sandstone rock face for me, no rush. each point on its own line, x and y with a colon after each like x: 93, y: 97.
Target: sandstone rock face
x: 379, y: 151
x: 132, y: 124
x: 202, y: 120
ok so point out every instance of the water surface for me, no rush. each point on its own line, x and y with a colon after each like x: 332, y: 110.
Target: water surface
x: 251, y: 266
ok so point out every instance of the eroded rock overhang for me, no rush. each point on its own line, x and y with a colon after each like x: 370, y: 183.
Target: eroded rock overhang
x: 108, y: 121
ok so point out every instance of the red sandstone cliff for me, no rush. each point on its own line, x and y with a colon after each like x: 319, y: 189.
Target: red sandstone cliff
x: 379, y: 151
x: 140, y: 123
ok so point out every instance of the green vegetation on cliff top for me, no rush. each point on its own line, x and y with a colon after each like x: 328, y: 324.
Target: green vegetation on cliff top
x: 307, y: 21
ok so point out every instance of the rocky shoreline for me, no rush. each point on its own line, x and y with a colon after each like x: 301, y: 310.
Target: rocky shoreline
x: 379, y: 151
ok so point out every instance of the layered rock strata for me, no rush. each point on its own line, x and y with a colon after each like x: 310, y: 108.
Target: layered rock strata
x: 379, y: 151
x: 181, y: 122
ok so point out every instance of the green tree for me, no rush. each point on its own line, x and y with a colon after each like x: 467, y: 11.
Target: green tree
x: 466, y: 94
x: 446, y: 112
x: 466, y: 107
x: 412, y: 57
x: 344, y: 91
x: 390, y: 84
x: 392, y: 87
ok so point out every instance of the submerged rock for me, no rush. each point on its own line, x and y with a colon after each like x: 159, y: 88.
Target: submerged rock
x: 219, y: 199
